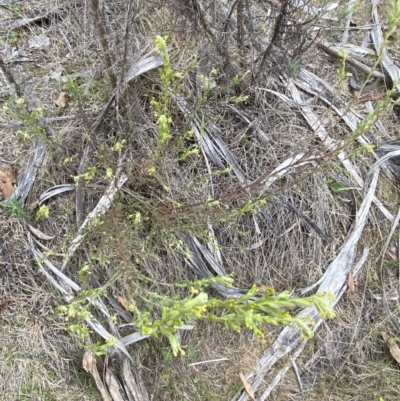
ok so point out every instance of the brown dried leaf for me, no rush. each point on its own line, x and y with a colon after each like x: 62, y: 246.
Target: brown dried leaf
x: 33, y: 205
x: 63, y: 100
x: 6, y: 186
x: 4, y: 303
x: 393, y: 347
x: 122, y: 301
x: 392, y: 255
x: 350, y: 283
x: 371, y: 96
x: 9, y: 170
x: 40, y: 234
x: 247, y: 386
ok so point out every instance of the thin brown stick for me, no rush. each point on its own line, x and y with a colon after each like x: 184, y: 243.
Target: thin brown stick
x: 104, y: 43
x: 219, y: 47
x: 80, y: 184
x: 9, y: 80
x: 126, y: 41
x: 240, y: 24
x: 277, y: 28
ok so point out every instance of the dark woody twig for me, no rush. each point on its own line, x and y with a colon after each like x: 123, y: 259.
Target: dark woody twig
x: 9, y: 80
x: 104, y: 43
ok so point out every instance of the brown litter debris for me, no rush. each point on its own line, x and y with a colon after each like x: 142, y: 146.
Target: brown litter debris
x: 7, y: 181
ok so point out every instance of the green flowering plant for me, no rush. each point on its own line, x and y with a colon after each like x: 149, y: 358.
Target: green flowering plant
x: 252, y: 310
x: 168, y: 77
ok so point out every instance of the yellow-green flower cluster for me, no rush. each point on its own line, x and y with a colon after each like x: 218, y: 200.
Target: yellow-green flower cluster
x: 252, y: 310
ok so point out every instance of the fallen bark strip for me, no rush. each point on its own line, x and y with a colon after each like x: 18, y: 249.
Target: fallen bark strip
x: 316, y: 86
x: 335, y: 52
x: 385, y: 303
x: 130, y: 386
x: 102, y: 206
x: 334, y: 281
x: 280, y: 375
x: 377, y: 37
x: 28, y: 178
x: 350, y: 6
x: 358, y: 50
x: 133, y: 381
x: 89, y: 364
x: 335, y: 277
x: 313, y: 120
x: 199, y: 253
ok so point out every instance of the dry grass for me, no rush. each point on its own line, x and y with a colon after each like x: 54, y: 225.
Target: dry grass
x: 39, y: 359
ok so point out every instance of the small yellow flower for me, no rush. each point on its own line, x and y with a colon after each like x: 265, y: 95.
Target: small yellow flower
x: 199, y: 310
x: 194, y: 291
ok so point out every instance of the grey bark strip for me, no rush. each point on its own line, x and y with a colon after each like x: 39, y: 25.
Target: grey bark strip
x: 336, y: 52
x: 102, y: 206
x: 377, y: 37
x: 389, y: 313
x: 333, y: 281
x: 28, y: 178
x: 316, y: 86
x: 67, y: 287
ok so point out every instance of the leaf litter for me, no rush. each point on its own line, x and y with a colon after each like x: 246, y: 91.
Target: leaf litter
x: 6, y: 185
x: 393, y: 347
